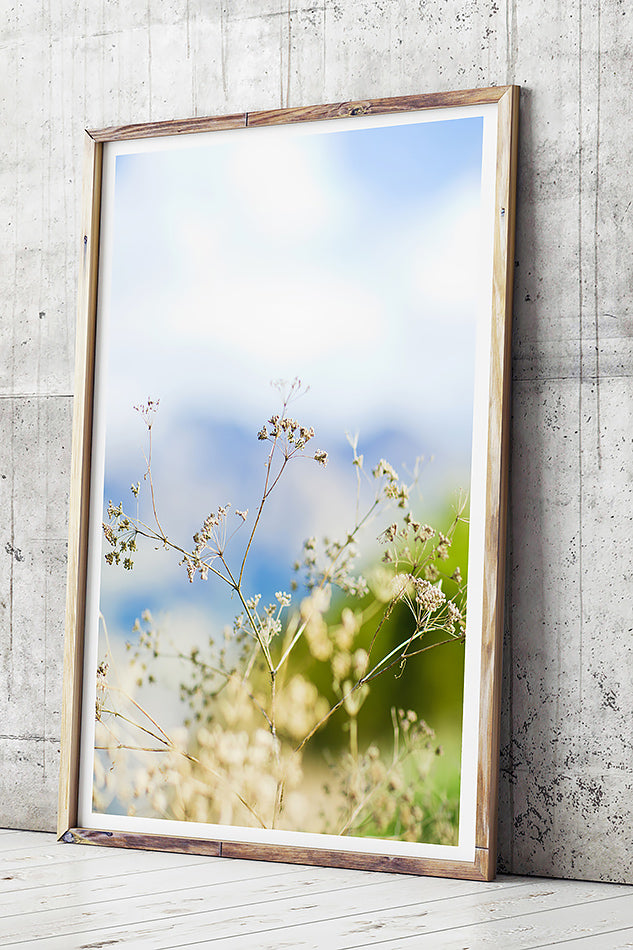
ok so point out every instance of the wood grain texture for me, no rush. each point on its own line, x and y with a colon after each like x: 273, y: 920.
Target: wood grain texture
x: 497, y: 475
x: 80, y: 487
x: 339, y: 110
x: 311, y: 857
x: 146, y: 130
x: 126, y: 839
x: 106, y: 898
x: 463, y: 870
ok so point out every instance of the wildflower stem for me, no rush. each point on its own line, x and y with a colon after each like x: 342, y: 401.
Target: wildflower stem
x: 132, y: 748
x: 148, y: 459
x: 364, y: 801
x: 146, y: 532
x: 353, y: 737
x: 234, y: 750
x: 294, y: 640
x: 140, y: 708
x: 261, y: 507
x: 263, y: 646
x: 273, y: 732
x: 118, y: 715
x: 377, y: 671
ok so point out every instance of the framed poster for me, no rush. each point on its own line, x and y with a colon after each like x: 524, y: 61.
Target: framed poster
x: 289, y: 465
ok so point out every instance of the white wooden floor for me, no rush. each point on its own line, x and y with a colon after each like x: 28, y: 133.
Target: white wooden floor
x: 71, y: 897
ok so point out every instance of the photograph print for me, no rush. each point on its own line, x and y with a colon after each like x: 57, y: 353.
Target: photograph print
x: 287, y: 484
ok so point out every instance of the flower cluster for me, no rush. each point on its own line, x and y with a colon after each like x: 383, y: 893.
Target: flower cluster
x: 121, y: 535
x: 252, y: 700
x: 102, y: 686
x: 331, y: 562
x: 288, y: 428
x: 147, y: 411
x: 209, y: 542
x: 393, y: 488
x: 389, y: 797
x: 282, y: 428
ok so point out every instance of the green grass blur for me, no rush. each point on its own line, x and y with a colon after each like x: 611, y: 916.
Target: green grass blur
x: 431, y: 684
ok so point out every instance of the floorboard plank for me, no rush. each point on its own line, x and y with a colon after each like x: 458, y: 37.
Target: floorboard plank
x: 572, y: 924
x: 247, y: 916
x: 203, y: 888
x: 567, y: 927
x: 86, y: 864
x: 119, y: 886
x: 17, y: 850
x: 43, y: 856
x: 17, y: 840
x: 607, y: 940
x: 70, y: 897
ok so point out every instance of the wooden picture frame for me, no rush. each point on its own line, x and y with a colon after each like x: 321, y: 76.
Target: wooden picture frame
x: 497, y: 108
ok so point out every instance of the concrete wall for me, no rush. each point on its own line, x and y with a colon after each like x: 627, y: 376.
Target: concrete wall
x: 567, y: 768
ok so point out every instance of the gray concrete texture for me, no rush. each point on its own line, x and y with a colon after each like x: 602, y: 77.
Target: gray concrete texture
x: 567, y: 728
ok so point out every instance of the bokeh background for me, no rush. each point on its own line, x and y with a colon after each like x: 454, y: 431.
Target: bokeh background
x: 346, y: 258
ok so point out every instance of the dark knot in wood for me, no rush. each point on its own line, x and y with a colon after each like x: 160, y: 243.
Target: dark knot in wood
x: 355, y: 108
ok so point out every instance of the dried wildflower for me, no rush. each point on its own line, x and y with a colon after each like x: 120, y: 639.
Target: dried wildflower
x: 109, y: 534
x: 397, y: 492
x: 428, y: 596
x: 431, y: 573
x: 384, y: 468
x: 425, y: 533
x: 235, y: 760
x: 190, y: 567
x: 387, y: 586
x: 356, y: 586
x: 453, y: 616
x: 389, y: 534
x: 443, y: 546
x: 147, y: 410
x: 269, y: 628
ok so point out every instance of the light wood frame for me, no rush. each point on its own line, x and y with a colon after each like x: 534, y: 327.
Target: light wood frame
x: 482, y: 867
